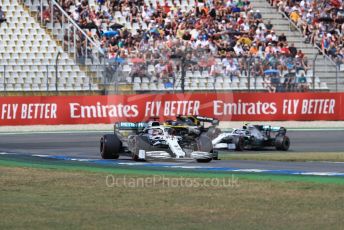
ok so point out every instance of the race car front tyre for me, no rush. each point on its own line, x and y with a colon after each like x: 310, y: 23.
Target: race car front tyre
x: 203, y: 143
x: 239, y: 143
x: 110, y: 146
x: 282, y: 142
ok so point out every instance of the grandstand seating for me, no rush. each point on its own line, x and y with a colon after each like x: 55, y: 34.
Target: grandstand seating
x: 28, y: 55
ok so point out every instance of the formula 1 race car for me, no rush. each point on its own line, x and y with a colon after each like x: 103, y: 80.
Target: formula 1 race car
x: 253, y: 137
x: 153, y: 141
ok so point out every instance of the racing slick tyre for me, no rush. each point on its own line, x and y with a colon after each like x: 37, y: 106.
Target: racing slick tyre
x: 110, y: 146
x: 239, y: 143
x: 213, y: 132
x: 204, y: 144
x: 282, y: 142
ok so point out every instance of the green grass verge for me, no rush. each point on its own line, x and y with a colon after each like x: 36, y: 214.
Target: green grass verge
x: 283, y: 156
x: 61, y: 165
x: 62, y: 198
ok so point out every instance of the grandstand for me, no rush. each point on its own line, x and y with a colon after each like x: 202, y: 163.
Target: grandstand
x: 28, y: 56
x: 301, y: 33
x: 151, y: 45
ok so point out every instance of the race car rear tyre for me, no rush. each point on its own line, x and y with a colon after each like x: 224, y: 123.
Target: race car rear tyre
x: 282, y: 142
x: 204, y: 160
x: 110, y: 146
x: 239, y: 143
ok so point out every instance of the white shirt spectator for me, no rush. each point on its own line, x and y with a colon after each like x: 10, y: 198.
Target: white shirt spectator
x: 232, y: 68
x: 76, y: 16
x: 272, y: 37
x: 238, y: 49
x: 194, y: 33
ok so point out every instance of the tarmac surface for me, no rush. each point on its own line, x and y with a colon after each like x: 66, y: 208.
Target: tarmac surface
x: 85, y: 145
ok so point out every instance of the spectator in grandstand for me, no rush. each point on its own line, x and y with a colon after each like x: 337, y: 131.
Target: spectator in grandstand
x: 268, y: 25
x: 292, y: 50
x: 305, y: 64
x: 289, y: 81
x: 257, y: 68
x: 268, y: 84
x: 229, y: 30
x: 232, y: 69
x: 253, y: 50
x: 46, y: 16
x: 302, y: 83
x: 160, y: 69
x: 216, y: 69
x: 282, y: 38
x: 257, y: 16
x: 2, y: 16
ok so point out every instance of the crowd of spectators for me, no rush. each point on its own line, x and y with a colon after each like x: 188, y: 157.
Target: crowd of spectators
x: 321, y: 22
x: 222, y: 37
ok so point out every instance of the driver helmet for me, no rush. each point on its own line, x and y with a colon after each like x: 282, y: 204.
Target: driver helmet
x: 245, y: 126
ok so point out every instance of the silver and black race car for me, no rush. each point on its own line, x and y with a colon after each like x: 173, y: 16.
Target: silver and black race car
x: 153, y: 141
x: 253, y: 137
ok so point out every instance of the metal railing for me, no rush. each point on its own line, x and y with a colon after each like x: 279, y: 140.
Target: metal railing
x: 173, y: 75
x: 329, y: 65
x: 176, y: 75
x: 74, y: 39
x: 45, y: 78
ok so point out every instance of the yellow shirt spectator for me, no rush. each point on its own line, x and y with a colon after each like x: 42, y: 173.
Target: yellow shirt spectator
x: 294, y: 16
x: 245, y: 40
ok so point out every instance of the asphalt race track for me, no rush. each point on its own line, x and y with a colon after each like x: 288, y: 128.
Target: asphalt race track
x: 86, y: 146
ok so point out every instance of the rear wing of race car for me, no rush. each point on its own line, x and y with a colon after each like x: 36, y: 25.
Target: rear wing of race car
x: 212, y: 120
x: 130, y: 126
x: 134, y: 126
x: 278, y: 129
x: 196, y: 119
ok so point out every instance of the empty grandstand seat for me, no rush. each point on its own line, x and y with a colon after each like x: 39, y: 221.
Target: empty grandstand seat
x: 218, y: 85
x: 161, y: 86
x: 227, y: 80
x: 144, y: 86
x: 194, y: 85
x: 24, y: 43
x: 242, y: 86
x: 226, y: 86
x: 210, y: 86
x: 202, y: 86
x: 235, y: 79
x: 153, y: 86
x: 234, y: 86
x: 219, y: 80
x: 136, y: 86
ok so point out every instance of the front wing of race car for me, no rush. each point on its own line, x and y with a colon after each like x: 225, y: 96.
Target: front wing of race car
x: 163, y: 155
x: 174, y: 152
x: 226, y: 140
